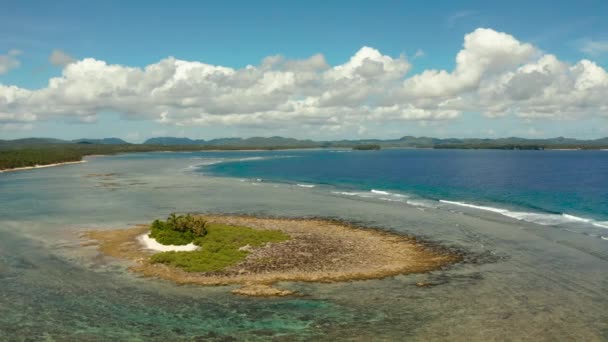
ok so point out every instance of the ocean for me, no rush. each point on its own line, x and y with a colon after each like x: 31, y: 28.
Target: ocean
x: 554, y: 188
x: 531, y: 223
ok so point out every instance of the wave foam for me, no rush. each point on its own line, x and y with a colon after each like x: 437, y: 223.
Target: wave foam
x: 223, y: 160
x: 601, y: 224
x: 346, y: 193
x: 386, y: 193
x: 576, y: 218
x: 306, y: 185
x: 375, y: 194
x: 421, y: 203
x: 544, y: 219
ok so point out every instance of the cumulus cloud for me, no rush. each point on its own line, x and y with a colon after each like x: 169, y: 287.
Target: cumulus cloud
x: 485, y: 52
x: 60, y: 58
x: 9, y: 61
x: 495, y: 74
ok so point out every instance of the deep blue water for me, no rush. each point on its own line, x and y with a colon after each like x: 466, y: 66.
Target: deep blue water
x: 556, y: 182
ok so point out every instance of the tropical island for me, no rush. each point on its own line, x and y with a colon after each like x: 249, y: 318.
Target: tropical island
x: 255, y: 252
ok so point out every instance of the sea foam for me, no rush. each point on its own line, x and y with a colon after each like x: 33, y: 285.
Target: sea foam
x: 546, y: 219
x: 386, y: 193
x: 601, y: 224
x: 375, y: 194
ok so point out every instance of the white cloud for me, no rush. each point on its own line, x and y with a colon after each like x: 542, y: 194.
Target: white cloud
x: 494, y: 74
x: 9, y: 61
x: 595, y: 47
x: 60, y: 58
x: 485, y: 52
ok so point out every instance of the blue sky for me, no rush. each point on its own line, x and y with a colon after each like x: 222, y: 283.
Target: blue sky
x: 235, y: 34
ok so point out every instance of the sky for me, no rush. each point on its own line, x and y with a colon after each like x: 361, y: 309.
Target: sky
x: 307, y: 69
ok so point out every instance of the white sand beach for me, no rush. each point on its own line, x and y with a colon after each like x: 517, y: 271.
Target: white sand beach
x: 41, y: 166
x: 150, y: 243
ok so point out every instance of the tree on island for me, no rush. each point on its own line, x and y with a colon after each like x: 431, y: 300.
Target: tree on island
x: 178, y: 229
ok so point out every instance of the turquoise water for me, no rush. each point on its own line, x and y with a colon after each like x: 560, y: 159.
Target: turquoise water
x: 522, y: 280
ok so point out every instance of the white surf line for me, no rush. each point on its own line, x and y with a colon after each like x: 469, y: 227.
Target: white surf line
x: 480, y: 207
x: 150, y: 243
x: 601, y: 224
x: 41, y: 166
x: 576, y: 218
x: 538, y: 218
x: 382, y: 192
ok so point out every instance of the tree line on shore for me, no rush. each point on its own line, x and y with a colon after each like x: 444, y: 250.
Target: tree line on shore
x: 38, y: 151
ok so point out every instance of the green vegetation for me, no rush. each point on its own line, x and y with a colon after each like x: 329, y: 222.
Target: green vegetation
x: 367, y: 147
x: 219, y: 246
x: 178, y: 230
x: 32, y: 157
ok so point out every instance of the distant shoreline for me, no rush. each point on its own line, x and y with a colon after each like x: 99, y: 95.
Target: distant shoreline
x: 43, y: 166
x: 77, y: 152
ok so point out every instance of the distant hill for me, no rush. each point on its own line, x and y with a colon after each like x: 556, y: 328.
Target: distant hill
x: 104, y: 141
x: 264, y: 142
x: 282, y: 142
x: 172, y: 141
x: 235, y: 142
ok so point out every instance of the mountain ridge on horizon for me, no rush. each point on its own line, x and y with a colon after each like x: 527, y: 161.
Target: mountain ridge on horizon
x: 279, y: 141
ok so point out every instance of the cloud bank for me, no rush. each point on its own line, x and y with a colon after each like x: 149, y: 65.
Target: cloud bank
x: 495, y: 74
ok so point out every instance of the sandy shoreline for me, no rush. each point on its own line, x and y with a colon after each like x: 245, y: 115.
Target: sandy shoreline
x: 151, y: 244
x: 41, y: 166
x: 318, y: 251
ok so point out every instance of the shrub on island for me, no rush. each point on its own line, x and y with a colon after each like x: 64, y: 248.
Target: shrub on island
x: 221, y: 246
x: 178, y: 229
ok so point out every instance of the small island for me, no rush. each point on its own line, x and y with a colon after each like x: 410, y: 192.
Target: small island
x: 366, y: 147
x: 257, y: 252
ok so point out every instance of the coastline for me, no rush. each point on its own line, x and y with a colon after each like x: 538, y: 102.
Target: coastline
x: 253, y: 149
x: 318, y: 251
x: 41, y: 166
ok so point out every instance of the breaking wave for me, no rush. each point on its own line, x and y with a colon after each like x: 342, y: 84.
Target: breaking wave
x: 375, y: 194
x: 546, y: 219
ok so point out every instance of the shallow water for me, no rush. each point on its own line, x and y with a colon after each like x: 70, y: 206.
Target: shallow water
x: 522, y: 281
